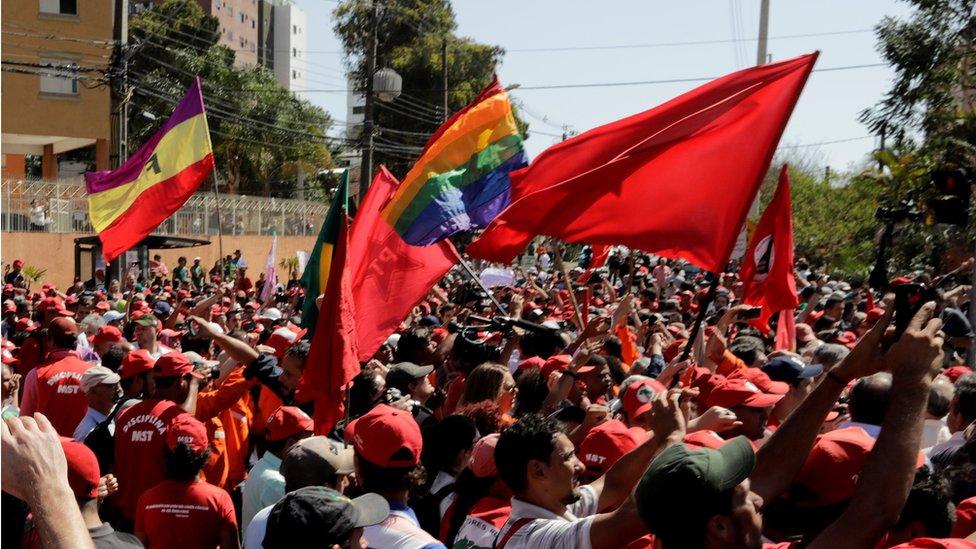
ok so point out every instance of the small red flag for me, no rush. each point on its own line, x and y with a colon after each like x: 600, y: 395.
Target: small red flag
x: 389, y: 276
x: 676, y: 180
x: 786, y: 331
x: 332, y: 358
x: 767, y: 268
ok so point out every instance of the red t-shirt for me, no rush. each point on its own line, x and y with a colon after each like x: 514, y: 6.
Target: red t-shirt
x: 140, y: 433
x: 59, y: 394
x: 184, y: 515
x: 965, y: 518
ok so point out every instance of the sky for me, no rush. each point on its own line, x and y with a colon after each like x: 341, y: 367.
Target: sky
x: 824, y: 124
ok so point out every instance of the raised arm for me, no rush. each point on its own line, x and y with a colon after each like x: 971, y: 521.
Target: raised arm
x: 780, y: 459
x: 889, y: 471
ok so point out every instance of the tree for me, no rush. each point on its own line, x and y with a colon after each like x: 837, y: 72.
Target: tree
x: 261, y: 133
x: 411, y: 35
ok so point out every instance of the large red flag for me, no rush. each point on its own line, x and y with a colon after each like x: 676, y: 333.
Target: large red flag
x: 767, y: 267
x: 389, y: 276
x: 333, y: 356
x: 676, y: 180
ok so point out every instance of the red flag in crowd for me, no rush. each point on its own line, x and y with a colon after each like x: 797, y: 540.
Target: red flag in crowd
x: 388, y: 275
x: 333, y: 356
x: 767, y: 268
x: 676, y: 180
x: 786, y: 331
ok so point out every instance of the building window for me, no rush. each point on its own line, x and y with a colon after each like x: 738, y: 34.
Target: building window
x: 359, y: 110
x: 59, y: 7
x: 230, y: 35
x: 294, y: 29
x: 253, y: 23
x: 242, y: 17
x: 217, y: 5
x: 60, y: 79
x: 294, y: 74
x: 294, y: 52
x: 230, y: 11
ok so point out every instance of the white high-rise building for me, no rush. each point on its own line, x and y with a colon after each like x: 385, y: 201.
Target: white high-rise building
x: 290, y: 44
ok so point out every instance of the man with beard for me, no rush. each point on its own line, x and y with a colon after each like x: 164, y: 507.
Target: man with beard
x: 537, y: 461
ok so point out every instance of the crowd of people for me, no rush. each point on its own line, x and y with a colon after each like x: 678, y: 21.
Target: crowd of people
x: 542, y: 408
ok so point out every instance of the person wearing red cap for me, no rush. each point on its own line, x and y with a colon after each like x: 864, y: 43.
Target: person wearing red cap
x: 106, y: 337
x: 182, y: 510
x: 481, y: 505
x: 84, y: 477
x: 749, y: 403
x: 136, y: 375
x: 140, y: 429
x: 605, y: 444
x: 54, y: 389
x: 388, y: 445
x: 264, y: 484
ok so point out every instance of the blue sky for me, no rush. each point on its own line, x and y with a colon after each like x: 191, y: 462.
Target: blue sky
x: 827, y: 110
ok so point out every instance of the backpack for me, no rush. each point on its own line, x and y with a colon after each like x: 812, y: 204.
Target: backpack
x: 428, y: 508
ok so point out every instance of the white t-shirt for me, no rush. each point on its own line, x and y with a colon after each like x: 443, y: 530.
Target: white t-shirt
x: 571, y: 529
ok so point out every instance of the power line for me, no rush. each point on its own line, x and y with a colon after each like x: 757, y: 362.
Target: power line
x: 833, y: 142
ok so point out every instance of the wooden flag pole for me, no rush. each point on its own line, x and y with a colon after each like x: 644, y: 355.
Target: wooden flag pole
x: 558, y: 253
x: 702, y: 312
x: 477, y: 281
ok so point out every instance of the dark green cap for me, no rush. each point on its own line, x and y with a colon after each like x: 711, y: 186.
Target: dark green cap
x: 682, y: 488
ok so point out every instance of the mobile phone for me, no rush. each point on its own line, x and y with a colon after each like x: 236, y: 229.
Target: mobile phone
x: 750, y: 313
x: 909, y: 298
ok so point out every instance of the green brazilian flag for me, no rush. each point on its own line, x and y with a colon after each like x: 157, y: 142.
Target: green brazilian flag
x: 316, y: 276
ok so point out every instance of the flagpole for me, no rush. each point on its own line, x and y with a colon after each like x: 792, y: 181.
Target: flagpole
x: 483, y: 287
x: 558, y: 250
x: 220, y: 225
x: 702, y: 312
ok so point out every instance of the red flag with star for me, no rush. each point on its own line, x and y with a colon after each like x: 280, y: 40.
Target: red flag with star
x: 389, y: 276
x: 767, y: 267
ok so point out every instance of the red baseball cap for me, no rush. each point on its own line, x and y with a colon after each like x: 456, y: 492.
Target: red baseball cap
x: 557, y: 363
x: 188, y: 430
x: 933, y: 543
x: 760, y: 379
x: 834, y: 463
x: 705, y: 381
x: 135, y: 363
x: 281, y: 339
x: 25, y: 325
x: 608, y: 442
x: 639, y: 397
x: 103, y: 306
x: 704, y: 439
x: 741, y: 392
x: 62, y: 326
x: 71, y: 299
x: 174, y: 364
x: 53, y: 305
x: 874, y: 315
x: 287, y: 421
x: 83, y: 472
x: 532, y: 362
x: 386, y: 437
x: 956, y: 372
x: 483, y: 456
x: 107, y: 334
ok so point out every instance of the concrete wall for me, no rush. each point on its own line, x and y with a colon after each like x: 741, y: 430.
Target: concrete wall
x: 290, y: 45
x: 239, y: 27
x: 55, y: 252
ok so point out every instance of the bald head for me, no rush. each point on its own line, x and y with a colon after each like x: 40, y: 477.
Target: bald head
x: 940, y: 395
x: 869, y: 398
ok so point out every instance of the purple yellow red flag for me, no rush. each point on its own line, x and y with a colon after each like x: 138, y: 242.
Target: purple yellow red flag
x: 128, y: 203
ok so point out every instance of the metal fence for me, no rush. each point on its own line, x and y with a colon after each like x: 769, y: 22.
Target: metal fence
x: 60, y: 206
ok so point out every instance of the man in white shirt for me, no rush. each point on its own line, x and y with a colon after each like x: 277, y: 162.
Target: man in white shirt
x: 101, y: 388
x: 550, y: 507
x: 314, y: 461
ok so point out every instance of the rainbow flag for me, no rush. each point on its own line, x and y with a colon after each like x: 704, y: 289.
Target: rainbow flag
x: 461, y: 179
x: 129, y: 202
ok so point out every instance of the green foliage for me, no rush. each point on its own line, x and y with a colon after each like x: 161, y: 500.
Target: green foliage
x: 261, y: 133
x: 33, y: 274
x: 410, y: 38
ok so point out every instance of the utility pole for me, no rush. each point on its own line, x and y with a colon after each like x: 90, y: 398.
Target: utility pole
x: 366, y: 167
x: 761, y: 58
x: 444, y: 72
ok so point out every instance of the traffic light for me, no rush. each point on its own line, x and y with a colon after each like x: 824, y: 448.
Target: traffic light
x: 951, y: 203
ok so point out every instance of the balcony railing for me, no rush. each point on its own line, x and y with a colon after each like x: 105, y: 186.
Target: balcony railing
x: 65, y: 210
